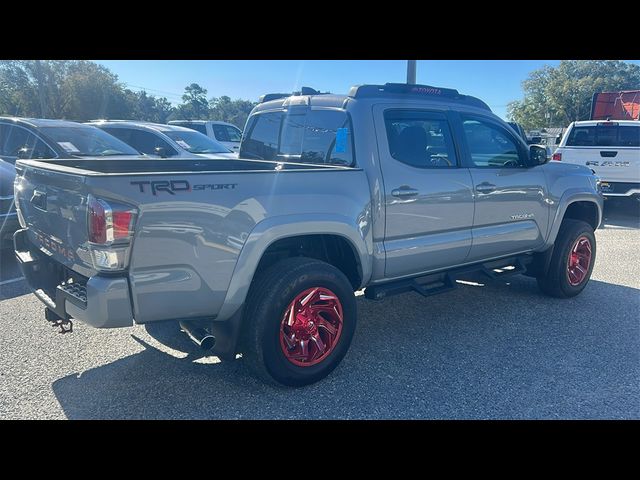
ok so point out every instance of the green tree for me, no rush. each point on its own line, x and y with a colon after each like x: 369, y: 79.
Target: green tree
x: 557, y: 96
x: 148, y: 107
x: 194, y: 104
x: 231, y: 111
x: 75, y: 90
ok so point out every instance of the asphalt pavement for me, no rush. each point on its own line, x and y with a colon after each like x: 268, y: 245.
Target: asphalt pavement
x: 489, y: 349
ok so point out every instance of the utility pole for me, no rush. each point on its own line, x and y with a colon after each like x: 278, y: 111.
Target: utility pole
x: 411, y: 71
x: 41, y: 94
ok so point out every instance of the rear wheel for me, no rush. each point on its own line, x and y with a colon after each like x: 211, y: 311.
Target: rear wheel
x: 574, y: 255
x: 299, y: 321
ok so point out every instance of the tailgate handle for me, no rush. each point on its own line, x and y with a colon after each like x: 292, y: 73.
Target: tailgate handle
x: 608, y: 154
x: 39, y: 200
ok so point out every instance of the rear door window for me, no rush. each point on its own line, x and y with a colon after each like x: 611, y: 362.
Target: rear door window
x: 235, y: 134
x: 221, y: 133
x: 145, y: 142
x: 301, y: 135
x: 198, y: 127
x: 629, y: 136
x: 604, y: 136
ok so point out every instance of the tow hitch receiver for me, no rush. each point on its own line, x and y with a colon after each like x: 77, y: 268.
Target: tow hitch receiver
x: 66, y: 325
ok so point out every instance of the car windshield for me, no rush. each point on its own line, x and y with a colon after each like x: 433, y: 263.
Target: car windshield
x: 87, y: 141
x: 196, y: 142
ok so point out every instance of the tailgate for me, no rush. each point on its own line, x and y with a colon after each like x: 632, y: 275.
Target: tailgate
x: 54, y: 207
x: 611, y: 164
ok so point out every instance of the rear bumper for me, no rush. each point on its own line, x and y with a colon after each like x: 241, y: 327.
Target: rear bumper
x: 102, y: 302
x: 620, y: 189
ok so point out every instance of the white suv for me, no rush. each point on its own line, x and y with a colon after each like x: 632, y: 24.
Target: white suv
x: 610, y: 148
x: 227, y: 134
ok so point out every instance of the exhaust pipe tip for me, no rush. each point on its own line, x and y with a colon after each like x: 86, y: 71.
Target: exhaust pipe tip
x: 198, y: 335
x: 207, y: 342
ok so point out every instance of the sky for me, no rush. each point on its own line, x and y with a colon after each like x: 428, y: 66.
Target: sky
x: 497, y: 82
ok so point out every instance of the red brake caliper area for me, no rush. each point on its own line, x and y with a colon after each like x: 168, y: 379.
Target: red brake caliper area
x: 311, y: 326
x: 579, y: 261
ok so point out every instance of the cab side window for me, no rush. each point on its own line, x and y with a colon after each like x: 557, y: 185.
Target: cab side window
x: 420, y: 139
x: 490, y: 146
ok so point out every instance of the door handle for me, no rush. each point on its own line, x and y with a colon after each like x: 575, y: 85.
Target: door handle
x: 404, y: 192
x: 485, y: 187
x: 608, y: 154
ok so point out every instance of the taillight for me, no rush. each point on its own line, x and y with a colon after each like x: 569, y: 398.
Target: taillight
x: 110, y: 228
x: 98, y: 220
x: 122, y: 224
x: 557, y: 157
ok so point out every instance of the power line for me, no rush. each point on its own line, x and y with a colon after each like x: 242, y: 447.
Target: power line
x: 172, y: 94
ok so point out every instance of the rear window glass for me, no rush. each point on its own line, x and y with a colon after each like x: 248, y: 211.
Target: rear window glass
x: 605, y: 136
x: 198, y: 127
x: 301, y: 135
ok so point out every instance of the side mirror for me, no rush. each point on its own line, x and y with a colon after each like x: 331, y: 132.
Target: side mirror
x: 558, y: 140
x: 537, y: 155
x: 24, y: 153
x: 161, y: 152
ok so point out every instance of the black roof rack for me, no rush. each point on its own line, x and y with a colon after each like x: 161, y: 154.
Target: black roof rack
x: 303, y: 91
x: 368, y: 91
x: 272, y: 96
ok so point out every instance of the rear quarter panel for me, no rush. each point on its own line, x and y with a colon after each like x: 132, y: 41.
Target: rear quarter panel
x: 187, y: 244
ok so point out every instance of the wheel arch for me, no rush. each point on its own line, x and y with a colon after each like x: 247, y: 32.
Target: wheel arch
x: 275, y: 232
x: 578, y: 205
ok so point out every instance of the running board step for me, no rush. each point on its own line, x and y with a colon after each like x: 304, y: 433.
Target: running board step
x: 504, y: 271
x: 431, y: 287
x: 445, y: 281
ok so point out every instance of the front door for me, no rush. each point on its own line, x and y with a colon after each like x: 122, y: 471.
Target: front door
x: 428, y: 194
x: 511, y: 210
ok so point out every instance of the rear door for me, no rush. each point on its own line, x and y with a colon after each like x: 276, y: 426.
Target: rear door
x: 611, y: 149
x: 511, y: 213
x: 428, y: 194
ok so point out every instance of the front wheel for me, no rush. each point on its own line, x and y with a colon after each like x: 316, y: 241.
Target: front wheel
x: 572, y: 261
x: 299, y: 321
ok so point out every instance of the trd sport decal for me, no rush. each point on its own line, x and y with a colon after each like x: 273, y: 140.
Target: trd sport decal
x: 173, y: 186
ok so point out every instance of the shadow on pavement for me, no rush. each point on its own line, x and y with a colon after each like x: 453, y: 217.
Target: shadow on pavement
x: 623, y: 213
x: 480, y: 351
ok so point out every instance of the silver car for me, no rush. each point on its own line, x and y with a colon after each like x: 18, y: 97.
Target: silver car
x: 165, y: 141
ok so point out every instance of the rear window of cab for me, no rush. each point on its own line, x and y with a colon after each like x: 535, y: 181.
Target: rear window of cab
x: 300, y: 135
x: 605, y: 135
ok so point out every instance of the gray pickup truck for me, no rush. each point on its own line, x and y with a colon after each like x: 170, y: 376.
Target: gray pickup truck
x: 392, y: 188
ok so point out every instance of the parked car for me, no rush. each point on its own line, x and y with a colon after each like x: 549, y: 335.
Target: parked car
x: 393, y: 188
x: 164, y: 141
x: 44, y: 139
x: 226, y: 133
x: 610, y: 148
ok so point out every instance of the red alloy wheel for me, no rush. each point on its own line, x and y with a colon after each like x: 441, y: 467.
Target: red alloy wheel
x: 311, y: 326
x: 579, y: 261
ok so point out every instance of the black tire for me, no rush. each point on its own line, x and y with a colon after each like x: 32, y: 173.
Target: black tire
x: 556, y: 282
x: 269, y: 297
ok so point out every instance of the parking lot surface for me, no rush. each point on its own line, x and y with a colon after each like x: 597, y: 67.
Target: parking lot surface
x: 489, y: 349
